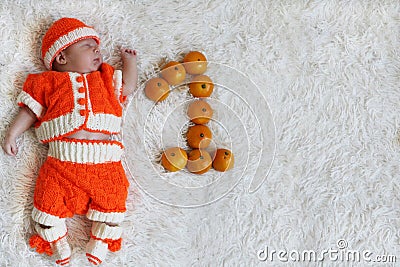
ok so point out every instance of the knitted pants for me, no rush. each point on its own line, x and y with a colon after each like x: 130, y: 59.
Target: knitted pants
x: 81, y: 177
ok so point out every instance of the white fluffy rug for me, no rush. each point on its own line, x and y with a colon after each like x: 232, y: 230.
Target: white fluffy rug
x: 330, y: 72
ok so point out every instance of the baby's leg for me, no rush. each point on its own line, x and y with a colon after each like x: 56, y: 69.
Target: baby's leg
x: 49, y: 213
x: 109, y: 190
x: 106, y: 231
x: 51, y: 239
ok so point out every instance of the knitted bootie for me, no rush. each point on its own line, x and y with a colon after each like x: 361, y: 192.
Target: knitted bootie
x: 103, y: 239
x: 53, y: 242
x: 62, y: 251
x: 96, y: 251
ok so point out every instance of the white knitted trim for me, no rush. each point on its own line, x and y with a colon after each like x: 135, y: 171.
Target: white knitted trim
x: 103, y: 231
x: 66, y: 40
x: 68, y: 123
x: 59, y: 126
x: 65, y: 124
x: 29, y: 101
x: 108, y: 122
x: 117, y: 82
x: 110, y: 217
x: 85, y: 152
x: 45, y: 218
x: 52, y: 234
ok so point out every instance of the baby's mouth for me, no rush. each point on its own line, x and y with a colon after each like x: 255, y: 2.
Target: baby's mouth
x: 96, y: 60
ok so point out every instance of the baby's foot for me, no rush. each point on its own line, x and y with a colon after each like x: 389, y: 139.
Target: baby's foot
x: 52, y: 240
x: 103, y: 238
x: 96, y: 251
x: 62, y: 251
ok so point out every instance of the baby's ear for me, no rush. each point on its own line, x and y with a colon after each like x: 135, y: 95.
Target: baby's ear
x: 60, y: 58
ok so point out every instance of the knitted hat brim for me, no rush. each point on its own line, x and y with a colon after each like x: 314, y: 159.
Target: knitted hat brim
x: 67, y: 40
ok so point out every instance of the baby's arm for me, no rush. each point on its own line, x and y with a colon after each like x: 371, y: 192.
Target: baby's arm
x: 129, y: 71
x: 23, y: 121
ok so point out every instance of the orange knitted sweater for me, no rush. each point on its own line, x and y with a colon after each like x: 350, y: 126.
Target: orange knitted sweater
x: 66, y: 102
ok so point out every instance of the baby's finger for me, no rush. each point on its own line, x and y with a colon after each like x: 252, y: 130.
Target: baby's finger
x: 9, y: 150
x: 129, y: 51
x: 14, y: 150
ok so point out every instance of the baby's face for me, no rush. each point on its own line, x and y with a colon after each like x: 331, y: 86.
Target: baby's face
x: 84, y: 56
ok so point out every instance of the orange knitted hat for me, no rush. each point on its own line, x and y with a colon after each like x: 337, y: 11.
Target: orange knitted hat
x: 63, y: 33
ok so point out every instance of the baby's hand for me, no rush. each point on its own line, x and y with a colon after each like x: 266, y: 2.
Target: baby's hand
x: 10, y: 146
x: 128, y: 54
x: 129, y: 70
